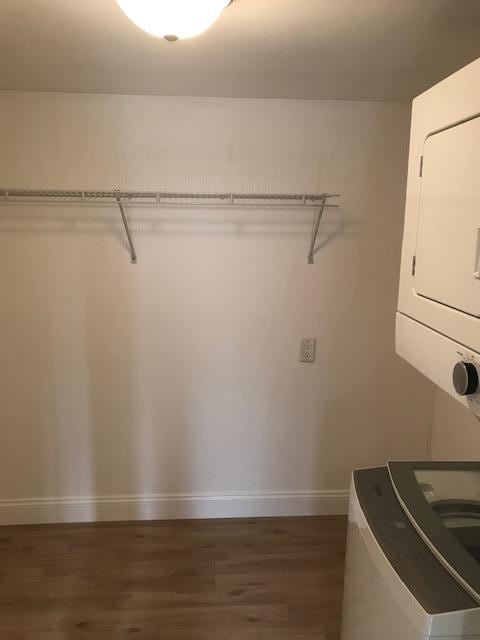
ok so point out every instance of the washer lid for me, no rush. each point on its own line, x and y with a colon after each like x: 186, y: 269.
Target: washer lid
x: 442, y: 500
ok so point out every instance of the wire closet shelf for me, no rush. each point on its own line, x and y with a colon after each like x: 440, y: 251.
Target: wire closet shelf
x: 318, y: 201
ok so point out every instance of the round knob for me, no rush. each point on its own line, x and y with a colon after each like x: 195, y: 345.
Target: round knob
x: 465, y: 378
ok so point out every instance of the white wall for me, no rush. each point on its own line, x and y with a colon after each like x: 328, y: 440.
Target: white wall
x: 456, y: 431
x: 179, y: 375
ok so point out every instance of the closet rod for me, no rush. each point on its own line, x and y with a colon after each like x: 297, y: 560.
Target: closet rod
x: 166, y: 197
x: 318, y: 201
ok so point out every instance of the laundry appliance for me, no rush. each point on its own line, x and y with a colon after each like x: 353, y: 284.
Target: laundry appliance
x: 438, y: 316
x: 413, y: 553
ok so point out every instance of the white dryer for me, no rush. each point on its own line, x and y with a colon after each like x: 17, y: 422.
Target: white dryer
x: 413, y: 553
x: 438, y: 318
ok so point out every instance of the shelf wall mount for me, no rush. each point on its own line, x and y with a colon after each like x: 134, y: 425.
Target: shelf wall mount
x: 317, y: 201
x: 131, y: 246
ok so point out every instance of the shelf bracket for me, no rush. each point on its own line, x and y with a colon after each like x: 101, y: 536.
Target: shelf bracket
x: 133, y: 253
x: 316, y: 226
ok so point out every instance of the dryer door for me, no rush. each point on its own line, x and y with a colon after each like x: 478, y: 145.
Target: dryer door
x: 447, y: 263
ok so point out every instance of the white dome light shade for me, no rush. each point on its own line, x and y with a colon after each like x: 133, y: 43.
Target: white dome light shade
x: 173, y: 19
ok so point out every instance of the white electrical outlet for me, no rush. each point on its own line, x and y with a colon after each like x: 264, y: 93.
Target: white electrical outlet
x: 307, y: 349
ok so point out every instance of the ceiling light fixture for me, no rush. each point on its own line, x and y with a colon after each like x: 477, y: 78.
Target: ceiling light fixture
x: 173, y: 19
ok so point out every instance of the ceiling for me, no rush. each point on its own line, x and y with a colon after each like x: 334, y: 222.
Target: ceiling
x: 358, y: 49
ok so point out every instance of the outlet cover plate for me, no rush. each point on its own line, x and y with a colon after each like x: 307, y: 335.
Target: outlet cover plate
x: 308, y: 347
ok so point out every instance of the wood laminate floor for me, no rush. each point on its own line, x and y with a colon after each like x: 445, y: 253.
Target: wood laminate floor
x: 249, y: 579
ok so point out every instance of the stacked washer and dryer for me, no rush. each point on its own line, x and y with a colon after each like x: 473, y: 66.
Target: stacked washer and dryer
x: 413, y: 551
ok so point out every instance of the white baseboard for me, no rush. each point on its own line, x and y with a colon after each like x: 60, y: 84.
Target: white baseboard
x: 172, y: 506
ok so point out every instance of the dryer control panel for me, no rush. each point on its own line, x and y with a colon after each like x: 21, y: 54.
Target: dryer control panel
x: 451, y: 366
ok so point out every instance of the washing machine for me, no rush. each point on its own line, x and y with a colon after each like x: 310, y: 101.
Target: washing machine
x: 413, y: 553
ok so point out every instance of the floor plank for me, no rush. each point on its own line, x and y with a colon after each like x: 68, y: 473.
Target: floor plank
x: 248, y: 579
